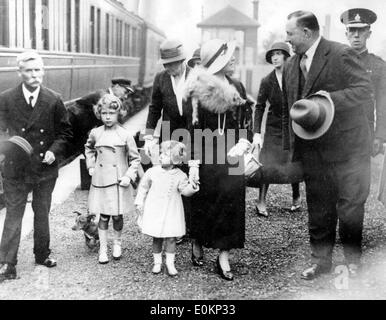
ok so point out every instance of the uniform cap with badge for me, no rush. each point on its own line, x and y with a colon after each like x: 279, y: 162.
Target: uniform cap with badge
x: 358, y: 18
x: 126, y: 83
x: 17, y: 152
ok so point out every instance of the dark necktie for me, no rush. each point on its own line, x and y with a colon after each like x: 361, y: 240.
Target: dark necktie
x: 30, y: 102
x: 303, y: 66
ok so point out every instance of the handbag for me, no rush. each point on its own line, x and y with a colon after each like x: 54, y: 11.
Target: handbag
x: 252, y: 165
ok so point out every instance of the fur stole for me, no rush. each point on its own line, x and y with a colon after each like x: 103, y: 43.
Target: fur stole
x: 211, y: 93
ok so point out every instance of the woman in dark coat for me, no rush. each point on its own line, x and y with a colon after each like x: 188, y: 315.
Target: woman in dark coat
x: 277, y: 164
x: 218, y: 209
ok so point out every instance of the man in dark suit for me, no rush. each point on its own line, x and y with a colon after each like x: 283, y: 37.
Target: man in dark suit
x: 337, y: 164
x: 38, y: 115
x: 358, y: 24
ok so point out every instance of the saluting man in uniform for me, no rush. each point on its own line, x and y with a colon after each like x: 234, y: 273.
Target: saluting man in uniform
x: 358, y: 23
x: 38, y: 115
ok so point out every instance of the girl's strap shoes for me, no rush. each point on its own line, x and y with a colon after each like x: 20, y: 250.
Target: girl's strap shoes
x: 103, y: 258
x: 157, y: 268
x: 157, y: 263
x: 170, y: 264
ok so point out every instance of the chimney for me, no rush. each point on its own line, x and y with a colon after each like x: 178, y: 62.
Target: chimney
x: 256, y: 9
x: 327, y: 27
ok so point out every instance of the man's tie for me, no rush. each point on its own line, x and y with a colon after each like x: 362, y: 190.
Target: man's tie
x: 303, y: 66
x: 30, y: 102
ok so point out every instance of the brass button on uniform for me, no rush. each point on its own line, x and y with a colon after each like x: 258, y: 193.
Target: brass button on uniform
x: 41, y: 143
x: 41, y: 130
x: 42, y: 155
x: 23, y: 129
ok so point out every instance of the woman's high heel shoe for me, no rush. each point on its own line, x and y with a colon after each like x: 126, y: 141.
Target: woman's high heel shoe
x: 226, y: 275
x: 197, y: 262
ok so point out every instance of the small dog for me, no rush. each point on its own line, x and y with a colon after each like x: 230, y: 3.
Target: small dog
x: 86, y: 223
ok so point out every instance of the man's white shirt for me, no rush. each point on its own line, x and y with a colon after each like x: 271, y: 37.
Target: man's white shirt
x: 27, y: 94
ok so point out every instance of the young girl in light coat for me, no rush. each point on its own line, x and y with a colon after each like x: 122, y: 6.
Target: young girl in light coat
x: 112, y: 160
x: 159, y: 197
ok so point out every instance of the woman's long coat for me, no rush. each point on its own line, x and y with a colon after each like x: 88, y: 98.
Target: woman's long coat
x: 218, y: 209
x: 277, y: 165
x: 112, y: 152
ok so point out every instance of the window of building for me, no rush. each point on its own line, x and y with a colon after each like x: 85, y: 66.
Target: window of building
x: 4, y: 23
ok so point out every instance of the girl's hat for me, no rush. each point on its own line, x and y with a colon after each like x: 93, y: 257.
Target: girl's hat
x: 176, y: 150
x: 171, y: 51
x: 282, y: 46
x: 216, y: 53
x: 110, y: 101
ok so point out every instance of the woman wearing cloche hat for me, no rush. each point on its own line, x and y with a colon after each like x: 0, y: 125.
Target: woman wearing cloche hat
x: 277, y: 167
x: 218, y: 209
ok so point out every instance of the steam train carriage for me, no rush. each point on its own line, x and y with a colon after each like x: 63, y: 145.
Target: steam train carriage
x: 84, y: 43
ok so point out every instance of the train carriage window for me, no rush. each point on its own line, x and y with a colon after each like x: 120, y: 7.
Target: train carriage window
x: 77, y: 25
x: 133, y: 40
x: 92, y: 29
x: 4, y: 23
x: 107, y: 33
x: 45, y: 22
x: 32, y: 22
x: 98, y: 31
x: 127, y: 40
x: 119, y: 38
x: 69, y: 25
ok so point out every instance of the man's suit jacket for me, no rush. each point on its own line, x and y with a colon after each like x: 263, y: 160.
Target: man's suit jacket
x: 164, y: 100
x: 336, y: 69
x: 45, y: 127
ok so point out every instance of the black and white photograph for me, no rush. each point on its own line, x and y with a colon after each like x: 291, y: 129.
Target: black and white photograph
x: 210, y: 152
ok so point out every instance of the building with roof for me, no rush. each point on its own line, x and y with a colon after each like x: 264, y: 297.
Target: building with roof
x: 231, y: 24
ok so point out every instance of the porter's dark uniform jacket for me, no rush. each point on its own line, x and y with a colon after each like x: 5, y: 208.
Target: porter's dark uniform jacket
x: 45, y: 127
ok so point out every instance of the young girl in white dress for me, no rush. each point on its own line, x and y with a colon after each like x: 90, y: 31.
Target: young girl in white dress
x: 159, y: 198
x: 112, y: 160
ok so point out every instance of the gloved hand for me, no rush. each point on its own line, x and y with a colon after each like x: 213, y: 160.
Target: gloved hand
x: 149, y: 144
x: 91, y: 171
x: 124, y: 181
x: 377, y: 147
x: 241, y: 148
x: 257, y: 141
x: 49, y: 158
x: 194, y: 173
